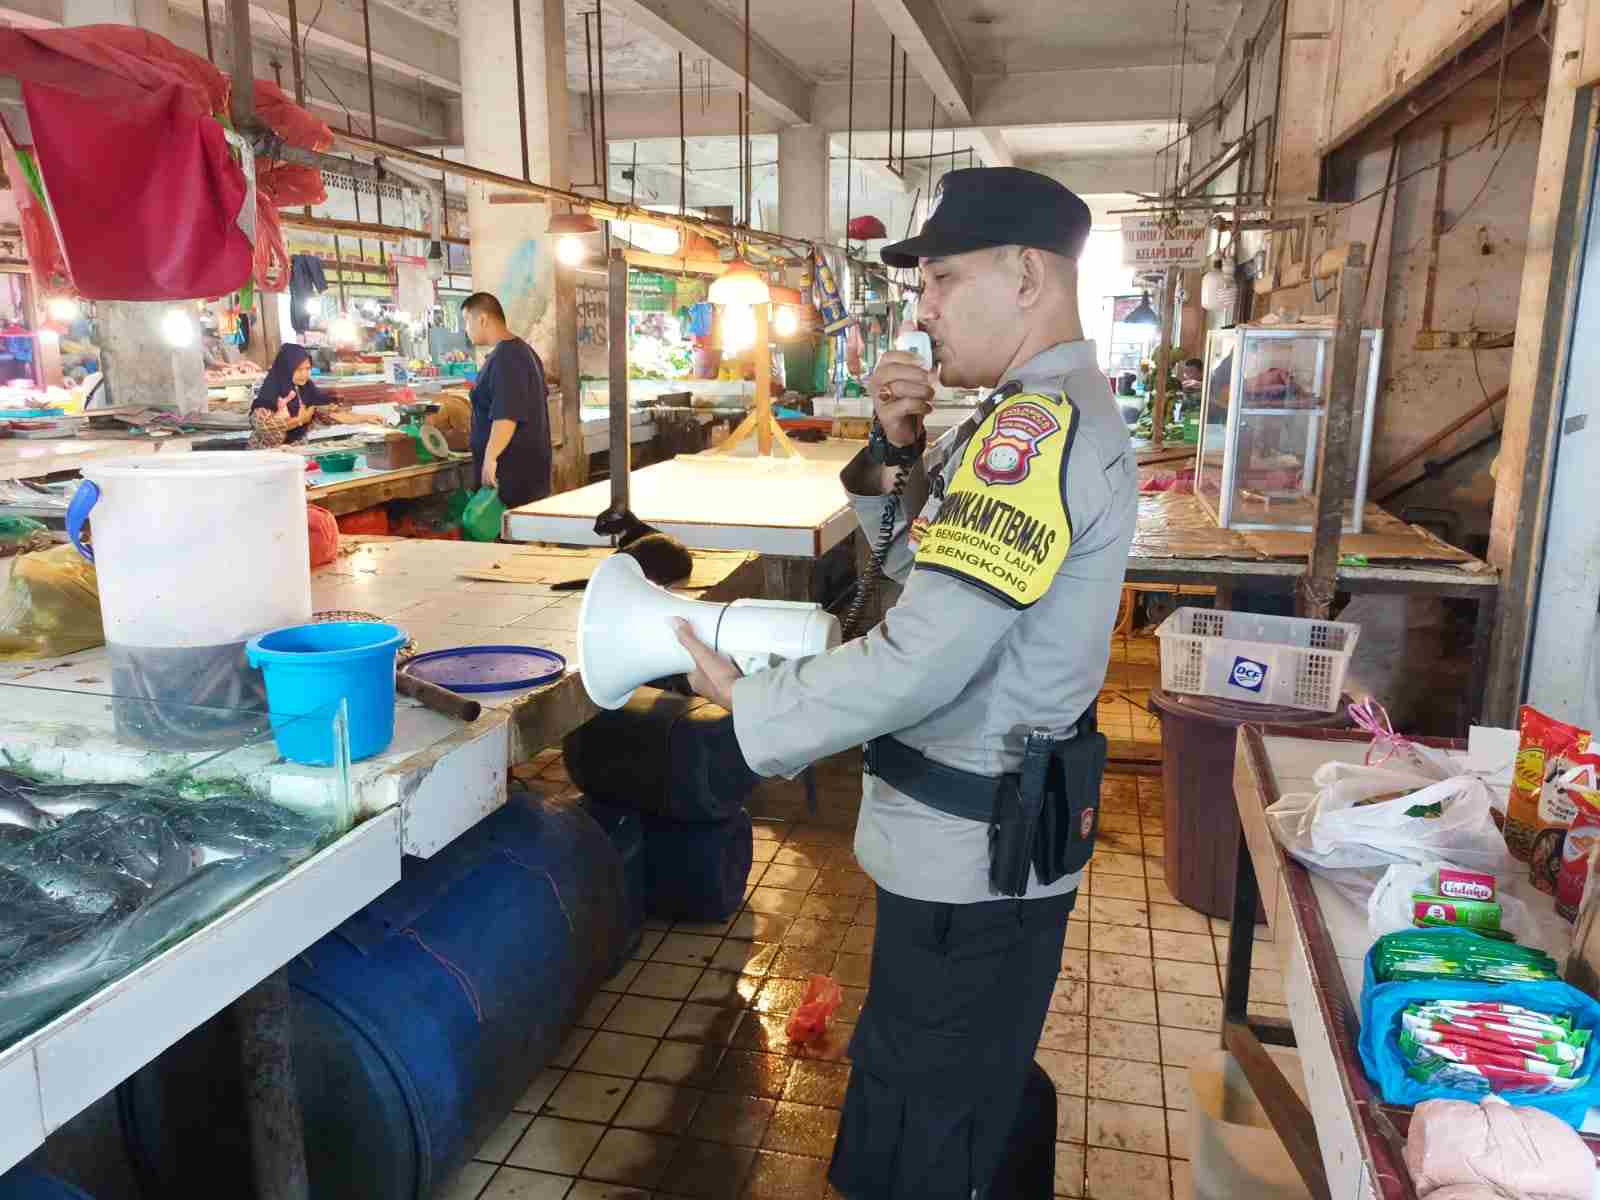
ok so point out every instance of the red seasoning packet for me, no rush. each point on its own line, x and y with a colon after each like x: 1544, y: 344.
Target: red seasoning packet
x: 1543, y: 739
x: 1577, y: 848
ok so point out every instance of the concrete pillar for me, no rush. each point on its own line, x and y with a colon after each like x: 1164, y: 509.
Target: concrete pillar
x: 803, y: 182
x: 511, y: 256
x: 146, y: 14
x: 140, y: 366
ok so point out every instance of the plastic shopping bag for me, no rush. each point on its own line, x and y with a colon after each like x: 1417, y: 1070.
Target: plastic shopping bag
x: 1389, y: 908
x: 809, y: 1020
x: 51, y: 606
x: 1382, y: 1004
x: 1372, y: 817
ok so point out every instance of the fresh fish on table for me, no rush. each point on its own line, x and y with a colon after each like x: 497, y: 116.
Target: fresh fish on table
x: 83, y: 888
x: 143, y: 845
x: 204, y: 895
x: 224, y: 830
x: 16, y: 809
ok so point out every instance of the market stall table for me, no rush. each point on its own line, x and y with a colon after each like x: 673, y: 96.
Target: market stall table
x: 1349, y: 1144
x: 1176, y: 542
x: 789, y: 509
x: 437, y: 779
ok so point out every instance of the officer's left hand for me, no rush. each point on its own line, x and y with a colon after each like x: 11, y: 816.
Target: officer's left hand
x: 714, y: 675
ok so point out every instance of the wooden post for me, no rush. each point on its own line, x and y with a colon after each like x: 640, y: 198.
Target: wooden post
x: 272, y: 1107
x: 1158, y: 411
x: 763, y: 379
x: 241, y: 63
x: 617, y: 380
x: 1315, y: 598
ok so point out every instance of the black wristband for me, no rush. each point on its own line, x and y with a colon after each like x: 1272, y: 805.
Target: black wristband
x: 886, y: 454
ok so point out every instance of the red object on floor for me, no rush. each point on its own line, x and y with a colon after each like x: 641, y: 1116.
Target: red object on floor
x: 323, y: 531
x: 809, y: 1020
x: 368, y: 520
x: 408, y: 527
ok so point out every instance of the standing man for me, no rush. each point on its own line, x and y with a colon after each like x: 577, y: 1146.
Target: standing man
x: 975, y: 697
x: 510, y: 408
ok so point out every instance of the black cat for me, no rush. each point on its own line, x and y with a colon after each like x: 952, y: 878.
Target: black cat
x: 664, y: 559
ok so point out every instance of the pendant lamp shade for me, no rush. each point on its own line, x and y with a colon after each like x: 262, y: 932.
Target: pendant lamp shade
x: 739, y: 284
x: 1144, y: 314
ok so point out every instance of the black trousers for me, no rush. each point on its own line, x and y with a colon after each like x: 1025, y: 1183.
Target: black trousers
x: 945, y: 1101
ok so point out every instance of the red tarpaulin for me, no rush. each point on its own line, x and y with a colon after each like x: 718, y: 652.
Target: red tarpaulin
x: 143, y: 190
x: 146, y: 195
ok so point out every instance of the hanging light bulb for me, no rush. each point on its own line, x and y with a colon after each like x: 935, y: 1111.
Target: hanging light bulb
x: 570, y: 251
x: 342, y: 331
x: 177, y: 327
x: 1144, y: 314
x: 738, y: 328
x: 571, y: 228
x: 63, y: 308
x: 435, y: 260
x: 787, y: 323
x: 739, y: 284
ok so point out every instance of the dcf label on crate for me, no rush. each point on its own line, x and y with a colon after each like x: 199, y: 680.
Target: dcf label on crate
x: 1248, y: 674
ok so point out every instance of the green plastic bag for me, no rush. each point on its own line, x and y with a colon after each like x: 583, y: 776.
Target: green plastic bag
x: 481, y: 520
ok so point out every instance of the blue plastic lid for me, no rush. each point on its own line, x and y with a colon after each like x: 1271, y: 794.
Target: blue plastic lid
x: 469, y: 669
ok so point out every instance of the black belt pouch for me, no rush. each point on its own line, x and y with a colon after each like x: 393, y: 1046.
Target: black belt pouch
x: 1069, y: 819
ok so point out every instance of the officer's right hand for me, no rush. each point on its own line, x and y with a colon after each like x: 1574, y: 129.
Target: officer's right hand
x: 902, y: 394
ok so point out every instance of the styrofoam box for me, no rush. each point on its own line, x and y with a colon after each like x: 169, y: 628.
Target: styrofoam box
x: 1255, y: 658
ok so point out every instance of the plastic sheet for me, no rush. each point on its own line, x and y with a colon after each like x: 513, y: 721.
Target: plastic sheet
x: 95, y: 878
x: 51, y: 606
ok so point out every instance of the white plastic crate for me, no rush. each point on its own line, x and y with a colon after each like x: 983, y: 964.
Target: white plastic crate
x: 1256, y: 659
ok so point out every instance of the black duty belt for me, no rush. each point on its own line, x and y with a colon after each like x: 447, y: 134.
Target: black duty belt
x: 948, y: 789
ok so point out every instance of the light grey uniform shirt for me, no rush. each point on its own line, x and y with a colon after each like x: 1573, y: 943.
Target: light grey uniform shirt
x: 954, y: 671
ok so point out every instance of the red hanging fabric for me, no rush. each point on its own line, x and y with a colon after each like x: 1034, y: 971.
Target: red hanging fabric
x: 145, y: 193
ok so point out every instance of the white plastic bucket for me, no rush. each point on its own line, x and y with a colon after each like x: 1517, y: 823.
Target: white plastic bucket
x: 195, y: 554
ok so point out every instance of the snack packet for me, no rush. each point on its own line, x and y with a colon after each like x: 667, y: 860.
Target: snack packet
x: 1557, y: 810
x: 1482, y: 915
x: 1543, y: 738
x: 1577, y: 848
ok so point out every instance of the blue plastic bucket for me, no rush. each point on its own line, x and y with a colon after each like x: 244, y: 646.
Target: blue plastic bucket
x: 309, y: 668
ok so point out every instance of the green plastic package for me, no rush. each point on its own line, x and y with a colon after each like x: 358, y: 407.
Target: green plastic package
x: 481, y: 519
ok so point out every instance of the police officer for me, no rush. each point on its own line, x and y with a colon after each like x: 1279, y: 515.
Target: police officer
x: 975, y: 696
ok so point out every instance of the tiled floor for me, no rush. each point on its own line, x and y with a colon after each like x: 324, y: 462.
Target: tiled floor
x: 679, y: 1080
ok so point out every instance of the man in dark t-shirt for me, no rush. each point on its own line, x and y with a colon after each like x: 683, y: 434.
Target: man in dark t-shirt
x: 510, y: 409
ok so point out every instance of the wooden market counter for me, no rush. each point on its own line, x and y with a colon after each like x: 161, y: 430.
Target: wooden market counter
x: 1348, y: 1145
x: 437, y: 779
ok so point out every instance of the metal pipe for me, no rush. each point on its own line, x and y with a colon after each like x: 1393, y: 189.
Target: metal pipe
x: 594, y: 125
x: 1401, y: 463
x: 850, y: 133
x: 605, y: 142
x: 905, y: 71
x: 522, y: 87
x: 617, y: 381
x: 683, y: 146
x: 294, y: 55
x: 893, y: 49
x: 241, y: 62
x: 272, y: 1107
x: 372, y: 100
x: 205, y: 17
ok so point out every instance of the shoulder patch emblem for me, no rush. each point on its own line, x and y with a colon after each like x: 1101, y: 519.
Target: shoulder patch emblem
x: 1013, y: 444
x: 1003, y: 524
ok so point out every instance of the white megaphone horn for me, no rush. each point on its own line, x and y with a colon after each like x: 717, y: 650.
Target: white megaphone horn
x: 626, y: 637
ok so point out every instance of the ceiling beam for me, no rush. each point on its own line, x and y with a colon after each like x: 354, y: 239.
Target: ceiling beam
x: 702, y: 30
x: 990, y: 143
x: 923, y: 32
x: 399, y: 43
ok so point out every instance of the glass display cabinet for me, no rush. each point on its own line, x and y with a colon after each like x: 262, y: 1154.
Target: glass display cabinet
x: 1265, y: 397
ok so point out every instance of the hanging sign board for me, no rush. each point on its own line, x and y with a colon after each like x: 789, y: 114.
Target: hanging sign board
x: 648, y: 292
x: 1160, y: 240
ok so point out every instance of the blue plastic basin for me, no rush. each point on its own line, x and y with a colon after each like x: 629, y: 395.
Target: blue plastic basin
x: 309, y: 668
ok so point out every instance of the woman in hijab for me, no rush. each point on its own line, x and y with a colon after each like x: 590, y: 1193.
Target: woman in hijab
x: 283, y: 407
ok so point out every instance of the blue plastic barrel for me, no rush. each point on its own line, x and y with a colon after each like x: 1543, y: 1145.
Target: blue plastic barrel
x: 418, y: 1023
x: 626, y: 831
x: 309, y: 668
x: 696, y: 871
x: 24, y: 1183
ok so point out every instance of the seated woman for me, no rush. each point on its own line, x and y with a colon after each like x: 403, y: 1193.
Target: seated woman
x: 286, y: 402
